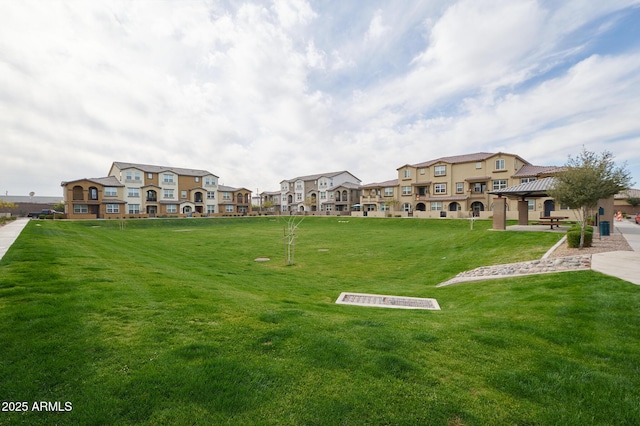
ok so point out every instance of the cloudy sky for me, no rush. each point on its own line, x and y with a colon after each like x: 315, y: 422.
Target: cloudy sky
x: 261, y: 91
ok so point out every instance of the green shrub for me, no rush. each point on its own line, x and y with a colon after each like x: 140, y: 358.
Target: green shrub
x: 573, y: 237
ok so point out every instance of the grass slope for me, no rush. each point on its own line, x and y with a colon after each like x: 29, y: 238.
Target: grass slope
x: 173, y: 322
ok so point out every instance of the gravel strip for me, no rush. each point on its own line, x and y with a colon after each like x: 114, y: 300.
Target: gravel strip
x: 562, y: 259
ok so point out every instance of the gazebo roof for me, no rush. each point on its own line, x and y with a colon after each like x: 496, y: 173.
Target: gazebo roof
x: 533, y: 189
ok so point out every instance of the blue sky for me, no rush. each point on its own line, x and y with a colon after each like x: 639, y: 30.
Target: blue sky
x: 261, y: 91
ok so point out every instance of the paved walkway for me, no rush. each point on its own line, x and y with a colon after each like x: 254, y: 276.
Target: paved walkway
x: 622, y: 264
x: 9, y: 233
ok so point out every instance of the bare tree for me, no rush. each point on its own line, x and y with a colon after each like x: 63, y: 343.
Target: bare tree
x: 292, y: 223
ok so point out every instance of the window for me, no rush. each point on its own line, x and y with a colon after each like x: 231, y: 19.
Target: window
x: 136, y: 176
x: 209, y: 181
x: 323, y: 195
x: 134, y: 208
x: 298, y: 185
x: 388, y: 192
x: 384, y: 208
x: 422, y: 171
x: 500, y: 164
x: 93, y: 193
x: 80, y: 208
x: 528, y: 179
x: 298, y: 197
x: 113, y: 208
x: 440, y: 170
x: 479, y: 165
x: 167, y: 178
x: 211, y: 195
x: 228, y: 208
x: 406, y: 190
x: 183, y: 194
x: 149, y: 175
x: 459, y: 187
x: 479, y: 187
x: 110, y: 191
x: 197, y: 179
x: 436, y: 205
x: 406, y: 207
x: 128, y: 175
x: 172, y: 208
x: 134, y: 192
x: 226, y: 196
x: 531, y: 205
x: 168, y: 193
x: 211, y: 208
x: 499, y: 184
x: 440, y: 188
x: 407, y: 173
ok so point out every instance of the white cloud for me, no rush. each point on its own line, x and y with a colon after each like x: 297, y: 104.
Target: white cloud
x: 235, y: 87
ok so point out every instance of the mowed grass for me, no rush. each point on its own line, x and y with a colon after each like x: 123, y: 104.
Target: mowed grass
x: 173, y: 322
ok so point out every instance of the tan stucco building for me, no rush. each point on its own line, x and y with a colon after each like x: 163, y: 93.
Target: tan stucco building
x: 140, y: 190
x: 455, y: 186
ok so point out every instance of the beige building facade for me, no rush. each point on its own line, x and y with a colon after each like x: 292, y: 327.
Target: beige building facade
x: 455, y: 187
x: 133, y: 190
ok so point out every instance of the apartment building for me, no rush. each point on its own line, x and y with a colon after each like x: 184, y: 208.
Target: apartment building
x: 379, y: 197
x: 234, y: 201
x: 270, y: 201
x: 454, y: 186
x: 142, y: 190
x: 324, y: 193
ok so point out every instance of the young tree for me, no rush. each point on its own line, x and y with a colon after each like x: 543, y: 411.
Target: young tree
x: 290, y: 238
x: 585, y: 180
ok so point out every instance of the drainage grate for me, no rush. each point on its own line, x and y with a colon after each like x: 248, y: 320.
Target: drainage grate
x: 382, y: 301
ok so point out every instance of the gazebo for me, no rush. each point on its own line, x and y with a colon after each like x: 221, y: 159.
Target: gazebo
x: 534, y: 189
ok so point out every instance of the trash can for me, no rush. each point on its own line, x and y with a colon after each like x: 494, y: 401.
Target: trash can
x: 605, y: 230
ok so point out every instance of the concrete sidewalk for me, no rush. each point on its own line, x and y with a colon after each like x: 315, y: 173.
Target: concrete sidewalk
x: 9, y: 233
x: 621, y: 264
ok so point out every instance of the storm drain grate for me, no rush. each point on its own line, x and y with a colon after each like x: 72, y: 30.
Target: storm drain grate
x: 382, y: 301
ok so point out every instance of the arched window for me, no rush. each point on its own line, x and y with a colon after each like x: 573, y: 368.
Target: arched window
x: 344, y: 195
x: 337, y: 195
x: 78, y: 193
x: 239, y: 198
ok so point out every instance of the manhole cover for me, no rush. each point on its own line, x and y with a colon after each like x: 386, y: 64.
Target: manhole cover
x: 262, y: 259
x: 382, y: 301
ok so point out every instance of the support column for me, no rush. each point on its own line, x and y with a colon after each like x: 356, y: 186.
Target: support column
x: 523, y: 212
x: 499, y: 213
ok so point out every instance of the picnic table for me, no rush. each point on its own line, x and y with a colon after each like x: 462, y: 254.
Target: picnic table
x: 552, y: 220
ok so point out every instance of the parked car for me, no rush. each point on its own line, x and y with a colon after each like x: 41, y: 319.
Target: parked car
x: 638, y: 218
x: 45, y: 212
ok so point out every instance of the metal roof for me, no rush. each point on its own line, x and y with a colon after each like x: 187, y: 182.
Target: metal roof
x: 534, y: 188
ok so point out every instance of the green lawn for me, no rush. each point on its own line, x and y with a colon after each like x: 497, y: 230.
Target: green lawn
x: 173, y: 322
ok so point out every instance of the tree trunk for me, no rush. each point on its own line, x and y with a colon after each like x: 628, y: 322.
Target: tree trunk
x: 582, y: 228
